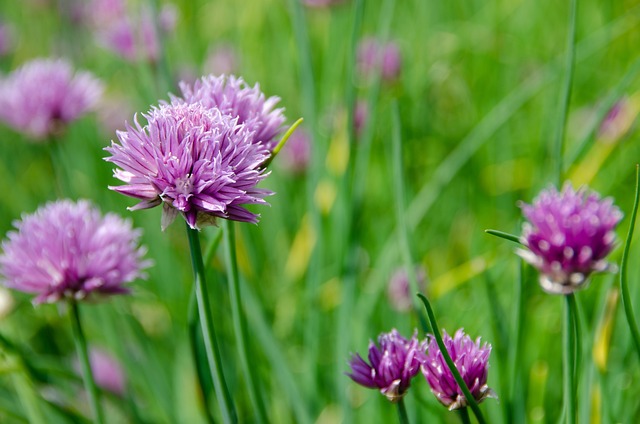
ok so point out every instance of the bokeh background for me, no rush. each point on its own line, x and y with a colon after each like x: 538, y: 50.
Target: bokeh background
x: 477, y: 87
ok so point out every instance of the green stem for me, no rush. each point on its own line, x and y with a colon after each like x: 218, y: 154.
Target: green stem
x: 403, y: 231
x: 624, y: 286
x: 567, y: 83
x: 225, y: 402
x: 452, y: 366
x: 193, y: 324
x: 569, y: 357
x: 402, y: 412
x: 239, y: 320
x: 464, y: 415
x: 504, y: 235
x: 85, y: 365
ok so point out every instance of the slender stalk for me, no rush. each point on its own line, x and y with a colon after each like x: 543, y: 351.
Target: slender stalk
x: 452, y: 366
x: 239, y: 321
x: 225, y: 402
x: 193, y: 324
x: 624, y: 286
x: 569, y: 357
x: 403, y: 231
x: 402, y: 412
x: 85, y: 365
x: 504, y: 235
x: 565, y: 92
x: 464, y: 416
x: 517, y: 380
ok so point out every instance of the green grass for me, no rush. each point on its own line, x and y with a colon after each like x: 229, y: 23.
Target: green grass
x: 478, y: 110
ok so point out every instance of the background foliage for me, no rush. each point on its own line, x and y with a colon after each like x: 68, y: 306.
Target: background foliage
x: 478, y: 96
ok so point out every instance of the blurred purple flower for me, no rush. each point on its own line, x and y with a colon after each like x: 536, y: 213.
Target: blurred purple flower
x: 399, y: 290
x: 43, y: 96
x: 127, y: 33
x: 471, y: 360
x: 222, y: 59
x: 321, y: 3
x: 295, y: 154
x: 107, y: 371
x: 391, y: 365
x: 231, y: 95
x: 618, y: 121
x: 360, y: 117
x: 6, y: 39
x: 194, y: 160
x: 69, y: 250
x: 376, y: 57
x: 568, y: 236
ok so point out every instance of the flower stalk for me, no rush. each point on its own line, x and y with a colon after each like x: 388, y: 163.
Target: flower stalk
x: 85, y: 365
x: 452, y: 367
x: 225, y: 402
x: 402, y: 412
x: 239, y: 320
x: 624, y: 286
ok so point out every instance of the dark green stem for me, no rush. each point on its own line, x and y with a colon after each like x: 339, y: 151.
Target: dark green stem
x: 624, y: 286
x: 225, y: 403
x: 504, y: 235
x: 464, y: 415
x: 402, y: 412
x: 569, y: 358
x: 471, y: 401
x: 239, y: 321
x: 85, y: 365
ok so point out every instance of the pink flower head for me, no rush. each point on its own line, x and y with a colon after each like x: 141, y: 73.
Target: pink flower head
x: 399, y: 290
x: 70, y: 250
x: 193, y: 159
x: 107, y: 371
x: 44, y: 95
x: 392, y: 364
x: 472, y: 362
x: 568, y: 236
x: 295, y: 154
x: 376, y: 57
x: 232, y: 96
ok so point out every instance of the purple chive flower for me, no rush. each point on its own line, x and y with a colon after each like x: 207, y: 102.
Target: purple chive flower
x: 472, y: 362
x: 69, y: 250
x: 618, y: 121
x: 222, y: 59
x: 107, y: 371
x: 399, y: 290
x: 321, y: 3
x: 232, y: 96
x: 44, y: 95
x: 294, y: 156
x: 374, y: 56
x: 360, y: 117
x: 568, y: 236
x: 130, y: 35
x: 6, y: 39
x: 194, y: 160
x: 391, y: 365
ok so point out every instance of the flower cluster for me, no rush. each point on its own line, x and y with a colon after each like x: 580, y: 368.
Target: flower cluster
x: 195, y: 160
x: 399, y: 289
x: 392, y: 365
x: 70, y: 250
x: 396, y: 360
x: 376, y: 57
x: 568, y: 236
x: 44, y: 95
x: 133, y: 36
x: 471, y: 360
